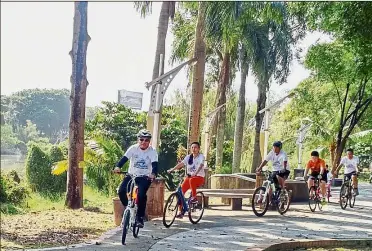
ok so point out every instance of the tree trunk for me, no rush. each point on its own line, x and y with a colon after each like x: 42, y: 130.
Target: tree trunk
x: 332, y: 151
x: 239, y: 124
x: 224, y: 81
x: 198, y: 78
x: 340, y: 146
x: 160, y: 49
x: 261, y: 101
x: 74, y: 196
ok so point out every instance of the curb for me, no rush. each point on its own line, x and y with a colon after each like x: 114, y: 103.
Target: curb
x: 330, y: 243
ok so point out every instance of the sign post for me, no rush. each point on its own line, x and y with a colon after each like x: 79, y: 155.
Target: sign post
x: 130, y: 99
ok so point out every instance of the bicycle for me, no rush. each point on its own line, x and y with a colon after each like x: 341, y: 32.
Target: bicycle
x: 129, y: 219
x: 347, y: 193
x: 281, y: 200
x: 179, y: 200
x: 328, y: 186
x: 314, y: 196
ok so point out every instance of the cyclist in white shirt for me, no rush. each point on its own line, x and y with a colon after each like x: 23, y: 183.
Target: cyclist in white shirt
x: 194, y: 164
x: 351, y: 168
x: 280, y: 164
x: 143, y: 163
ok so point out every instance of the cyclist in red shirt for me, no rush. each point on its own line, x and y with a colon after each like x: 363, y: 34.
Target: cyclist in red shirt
x: 318, y: 170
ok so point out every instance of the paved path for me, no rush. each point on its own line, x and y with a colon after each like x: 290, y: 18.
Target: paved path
x: 222, y: 229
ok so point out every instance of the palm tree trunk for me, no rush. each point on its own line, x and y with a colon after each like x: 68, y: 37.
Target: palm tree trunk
x: 74, y: 196
x: 198, y: 78
x: 224, y: 81
x: 160, y: 49
x: 240, y: 117
x: 261, y: 101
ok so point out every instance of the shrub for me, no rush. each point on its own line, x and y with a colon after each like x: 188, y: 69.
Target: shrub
x: 38, y: 171
x: 12, y: 191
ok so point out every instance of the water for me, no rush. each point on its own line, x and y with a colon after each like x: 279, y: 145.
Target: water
x: 13, y: 162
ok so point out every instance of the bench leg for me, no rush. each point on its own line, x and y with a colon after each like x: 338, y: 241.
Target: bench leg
x: 236, y: 204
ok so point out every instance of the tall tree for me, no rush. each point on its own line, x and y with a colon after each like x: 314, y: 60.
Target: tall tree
x: 282, y: 31
x: 167, y: 11
x: 79, y: 83
x: 198, y: 77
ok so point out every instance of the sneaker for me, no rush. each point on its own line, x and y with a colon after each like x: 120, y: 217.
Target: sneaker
x: 193, y: 200
x: 324, y: 202
x: 140, y: 222
x: 180, y: 215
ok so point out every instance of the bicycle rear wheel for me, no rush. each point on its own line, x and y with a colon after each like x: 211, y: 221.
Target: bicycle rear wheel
x: 312, y: 198
x: 260, y: 201
x: 126, y: 219
x: 284, y: 201
x: 170, y: 210
x: 344, y: 195
x: 196, y: 210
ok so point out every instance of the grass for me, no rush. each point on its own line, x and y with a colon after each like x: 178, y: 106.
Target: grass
x: 47, y: 223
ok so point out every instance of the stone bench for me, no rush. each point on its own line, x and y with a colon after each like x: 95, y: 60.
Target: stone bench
x: 235, y: 196
x: 300, y: 192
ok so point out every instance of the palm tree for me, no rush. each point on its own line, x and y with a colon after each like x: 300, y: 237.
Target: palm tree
x: 281, y: 31
x: 79, y: 82
x: 167, y: 11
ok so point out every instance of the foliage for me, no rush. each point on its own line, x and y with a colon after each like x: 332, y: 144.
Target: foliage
x: 115, y: 121
x: 9, y: 140
x: 173, y: 135
x: 38, y: 172
x: 228, y: 148
x: 99, y: 165
x: 12, y: 190
x: 49, y: 109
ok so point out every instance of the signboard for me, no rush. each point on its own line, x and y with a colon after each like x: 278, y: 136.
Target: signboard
x: 130, y: 99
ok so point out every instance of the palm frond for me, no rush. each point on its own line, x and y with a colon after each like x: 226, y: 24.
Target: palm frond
x: 144, y: 8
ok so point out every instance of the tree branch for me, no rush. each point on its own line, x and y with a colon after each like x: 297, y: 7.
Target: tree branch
x: 342, y: 121
x: 338, y: 93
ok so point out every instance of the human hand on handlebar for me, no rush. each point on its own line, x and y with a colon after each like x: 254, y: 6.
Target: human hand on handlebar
x: 170, y: 170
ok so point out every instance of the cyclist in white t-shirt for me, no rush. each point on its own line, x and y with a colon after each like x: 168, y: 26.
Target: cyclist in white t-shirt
x: 351, y: 168
x: 194, y: 164
x: 143, y: 163
x: 280, y: 164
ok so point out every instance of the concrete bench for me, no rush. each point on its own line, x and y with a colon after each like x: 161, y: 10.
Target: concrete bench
x: 235, y: 196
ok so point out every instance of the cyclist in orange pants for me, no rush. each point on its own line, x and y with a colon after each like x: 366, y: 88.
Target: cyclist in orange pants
x: 194, y: 164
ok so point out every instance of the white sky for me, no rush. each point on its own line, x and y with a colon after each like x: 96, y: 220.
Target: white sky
x: 36, y: 38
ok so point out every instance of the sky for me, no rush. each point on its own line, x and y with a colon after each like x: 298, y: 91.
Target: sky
x: 36, y: 38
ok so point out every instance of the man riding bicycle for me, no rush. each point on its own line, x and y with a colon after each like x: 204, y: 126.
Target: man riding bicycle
x: 351, y: 168
x: 318, y: 171
x: 143, y: 163
x: 280, y: 165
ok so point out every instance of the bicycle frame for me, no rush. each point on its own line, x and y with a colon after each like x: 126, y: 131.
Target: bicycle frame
x: 267, y: 184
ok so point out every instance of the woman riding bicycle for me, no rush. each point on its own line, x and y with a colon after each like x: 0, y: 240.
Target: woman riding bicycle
x: 195, y: 171
x: 143, y: 163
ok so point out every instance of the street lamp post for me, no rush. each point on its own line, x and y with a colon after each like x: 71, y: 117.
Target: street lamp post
x: 162, y: 83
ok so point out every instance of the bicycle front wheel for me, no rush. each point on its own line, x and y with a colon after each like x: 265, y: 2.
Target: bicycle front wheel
x: 351, y: 198
x: 196, y: 209
x: 170, y: 210
x: 135, y: 230
x: 260, y: 201
x: 284, y: 201
x: 313, y: 200
x: 126, y: 219
x: 344, y: 195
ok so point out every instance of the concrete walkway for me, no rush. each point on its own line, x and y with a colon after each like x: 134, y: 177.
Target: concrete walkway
x: 222, y: 229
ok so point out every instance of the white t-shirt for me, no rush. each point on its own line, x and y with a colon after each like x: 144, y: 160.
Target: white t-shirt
x: 140, y: 160
x: 191, y: 169
x: 350, y: 164
x: 278, y: 160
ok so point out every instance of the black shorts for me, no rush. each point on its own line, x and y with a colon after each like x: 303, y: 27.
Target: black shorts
x: 314, y: 175
x: 283, y: 175
x: 348, y: 175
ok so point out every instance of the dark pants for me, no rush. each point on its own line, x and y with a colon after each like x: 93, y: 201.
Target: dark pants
x: 143, y: 184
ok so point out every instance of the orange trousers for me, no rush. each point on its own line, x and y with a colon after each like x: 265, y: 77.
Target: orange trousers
x: 193, y: 183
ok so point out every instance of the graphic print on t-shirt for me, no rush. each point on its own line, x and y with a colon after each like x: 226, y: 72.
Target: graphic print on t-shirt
x: 140, y: 162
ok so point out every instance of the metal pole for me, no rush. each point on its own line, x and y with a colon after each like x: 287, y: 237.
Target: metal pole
x: 156, y: 133
x: 299, y: 155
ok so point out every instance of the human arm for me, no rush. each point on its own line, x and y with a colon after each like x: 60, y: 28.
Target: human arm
x: 177, y: 167
x: 120, y: 164
x: 262, y: 165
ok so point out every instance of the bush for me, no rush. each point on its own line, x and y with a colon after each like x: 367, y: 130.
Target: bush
x: 38, y: 171
x: 12, y: 191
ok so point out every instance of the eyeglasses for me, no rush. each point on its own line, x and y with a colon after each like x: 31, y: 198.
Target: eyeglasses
x: 143, y: 139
